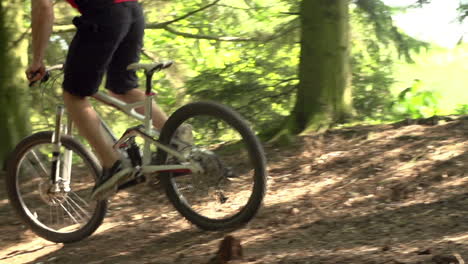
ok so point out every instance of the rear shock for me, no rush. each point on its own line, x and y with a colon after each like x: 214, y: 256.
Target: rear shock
x: 133, y: 152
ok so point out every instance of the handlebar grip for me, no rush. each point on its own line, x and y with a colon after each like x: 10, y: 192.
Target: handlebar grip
x: 31, y: 84
x: 45, y: 78
x: 33, y: 75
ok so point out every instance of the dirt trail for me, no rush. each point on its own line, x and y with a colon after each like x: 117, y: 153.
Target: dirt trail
x: 368, y: 194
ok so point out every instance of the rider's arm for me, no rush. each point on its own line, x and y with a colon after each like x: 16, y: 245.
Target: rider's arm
x: 42, y: 17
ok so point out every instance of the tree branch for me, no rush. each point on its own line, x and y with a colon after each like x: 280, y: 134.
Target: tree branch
x: 271, y: 96
x: 189, y: 35
x: 189, y: 14
x: 17, y: 41
x: 260, y: 38
x: 58, y: 29
x: 149, y: 55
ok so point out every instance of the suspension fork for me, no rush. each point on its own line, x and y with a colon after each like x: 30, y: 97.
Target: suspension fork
x: 56, y: 164
x: 67, y: 159
x: 36, y: 160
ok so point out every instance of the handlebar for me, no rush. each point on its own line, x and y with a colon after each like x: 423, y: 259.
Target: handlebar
x: 58, y: 67
x: 148, y: 68
x: 55, y: 68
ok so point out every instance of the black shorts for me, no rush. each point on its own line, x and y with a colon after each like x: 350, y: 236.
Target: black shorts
x: 107, y: 41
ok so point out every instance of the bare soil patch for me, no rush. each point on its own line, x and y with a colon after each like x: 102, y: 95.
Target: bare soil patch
x: 368, y: 194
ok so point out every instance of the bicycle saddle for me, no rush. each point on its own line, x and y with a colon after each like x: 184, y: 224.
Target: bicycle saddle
x: 156, y: 66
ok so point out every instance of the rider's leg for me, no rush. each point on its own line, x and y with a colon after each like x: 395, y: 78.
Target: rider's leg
x: 135, y: 95
x: 125, y: 24
x: 89, y: 126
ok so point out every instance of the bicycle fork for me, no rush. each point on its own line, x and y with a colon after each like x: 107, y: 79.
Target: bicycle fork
x: 60, y: 174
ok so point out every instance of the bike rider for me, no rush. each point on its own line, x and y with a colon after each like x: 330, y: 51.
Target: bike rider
x: 109, y: 37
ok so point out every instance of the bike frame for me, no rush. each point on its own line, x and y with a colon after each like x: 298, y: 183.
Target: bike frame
x: 61, y: 173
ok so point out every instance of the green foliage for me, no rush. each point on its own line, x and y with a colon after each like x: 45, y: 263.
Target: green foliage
x: 415, y: 102
x: 3, y: 46
x: 260, y: 90
x: 442, y: 70
x: 379, y: 16
x: 462, y: 110
x: 14, y: 112
x: 463, y: 11
x: 374, y: 60
x: 372, y: 66
x: 257, y: 76
x: 245, y: 53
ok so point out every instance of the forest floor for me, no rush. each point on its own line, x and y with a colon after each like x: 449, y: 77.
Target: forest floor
x: 395, y: 194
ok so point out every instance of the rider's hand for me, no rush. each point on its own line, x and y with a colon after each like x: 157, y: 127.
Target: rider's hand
x: 35, y: 72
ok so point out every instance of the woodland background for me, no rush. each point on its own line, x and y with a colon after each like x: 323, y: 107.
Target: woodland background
x: 288, y: 66
x: 364, y: 127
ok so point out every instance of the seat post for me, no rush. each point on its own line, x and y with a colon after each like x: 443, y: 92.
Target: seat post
x: 148, y: 114
x: 149, y: 81
x: 149, y: 100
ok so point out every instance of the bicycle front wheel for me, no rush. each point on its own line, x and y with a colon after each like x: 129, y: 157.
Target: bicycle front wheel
x: 229, y: 189
x: 61, y: 212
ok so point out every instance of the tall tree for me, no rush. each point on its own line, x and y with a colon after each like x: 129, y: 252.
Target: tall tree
x: 14, y: 123
x: 324, y: 93
x: 275, y: 58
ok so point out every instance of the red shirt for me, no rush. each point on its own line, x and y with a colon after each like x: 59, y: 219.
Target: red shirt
x: 72, y: 2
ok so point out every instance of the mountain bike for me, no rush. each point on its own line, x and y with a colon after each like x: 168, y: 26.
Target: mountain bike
x: 217, y: 181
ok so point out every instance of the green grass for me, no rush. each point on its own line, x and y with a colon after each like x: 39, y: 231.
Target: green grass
x: 443, y: 71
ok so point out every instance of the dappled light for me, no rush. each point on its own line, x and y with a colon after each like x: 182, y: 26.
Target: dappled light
x: 331, y: 199
x: 360, y: 108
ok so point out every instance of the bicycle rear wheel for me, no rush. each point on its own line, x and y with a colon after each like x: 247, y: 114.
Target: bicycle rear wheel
x: 65, y: 215
x: 229, y: 191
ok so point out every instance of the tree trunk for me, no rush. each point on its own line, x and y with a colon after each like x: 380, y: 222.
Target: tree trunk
x: 324, y: 92
x: 14, y: 122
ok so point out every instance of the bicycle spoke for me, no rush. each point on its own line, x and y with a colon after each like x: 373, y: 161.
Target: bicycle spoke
x: 54, y: 215
x: 72, y: 210
x: 74, y: 205
x: 58, y: 214
x: 80, y: 199
x: 61, y: 218
x: 36, y: 162
x: 69, y: 214
x: 51, y: 218
x: 52, y: 210
x: 229, y: 187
